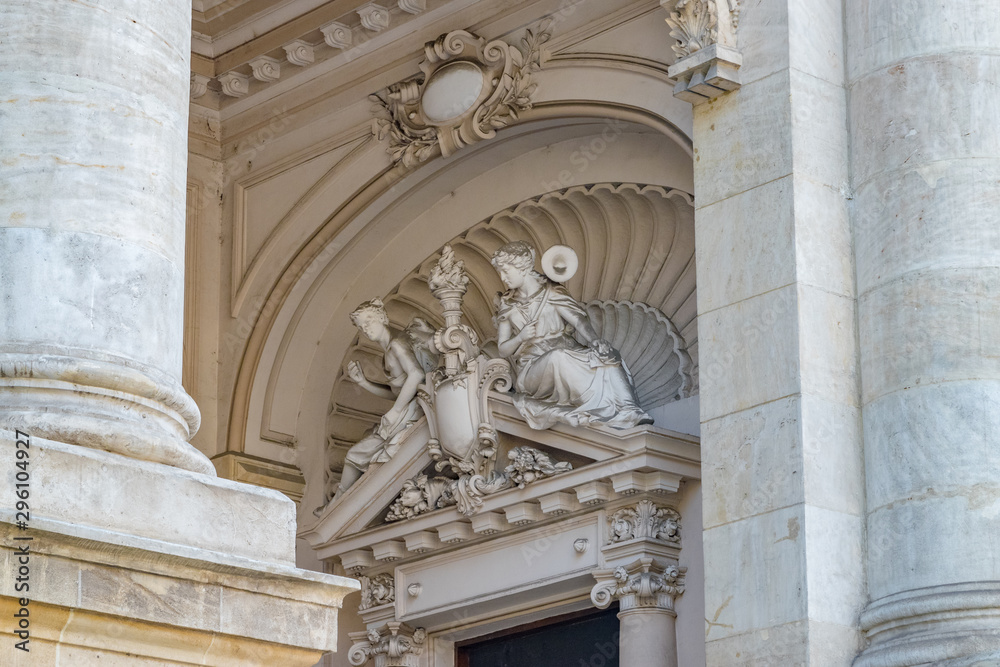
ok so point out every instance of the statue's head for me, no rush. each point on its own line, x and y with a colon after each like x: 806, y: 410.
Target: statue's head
x: 518, y: 254
x: 370, y: 316
x: 515, y: 261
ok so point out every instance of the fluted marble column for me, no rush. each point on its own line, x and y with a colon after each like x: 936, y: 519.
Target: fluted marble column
x: 646, y: 591
x: 93, y: 155
x: 926, y: 176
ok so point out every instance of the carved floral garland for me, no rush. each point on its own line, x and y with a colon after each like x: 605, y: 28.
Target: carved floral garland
x: 423, y: 494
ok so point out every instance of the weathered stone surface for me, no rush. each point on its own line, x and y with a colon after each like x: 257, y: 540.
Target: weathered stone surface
x: 749, y: 344
x: 881, y: 34
x: 84, y: 490
x: 924, y: 156
x: 755, y: 574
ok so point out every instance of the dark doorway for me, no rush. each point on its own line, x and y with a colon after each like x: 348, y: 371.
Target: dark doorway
x: 585, y: 639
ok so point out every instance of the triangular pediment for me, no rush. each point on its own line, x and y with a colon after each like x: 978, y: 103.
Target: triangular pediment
x: 368, y: 498
x: 598, y: 455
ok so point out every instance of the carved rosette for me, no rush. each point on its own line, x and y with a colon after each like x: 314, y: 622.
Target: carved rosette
x: 645, y: 520
x: 493, y: 84
x: 393, y: 645
x: 377, y: 591
x: 708, y: 61
x: 643, y: 584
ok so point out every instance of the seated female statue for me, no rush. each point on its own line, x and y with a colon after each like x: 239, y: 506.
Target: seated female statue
x: 564, y: 371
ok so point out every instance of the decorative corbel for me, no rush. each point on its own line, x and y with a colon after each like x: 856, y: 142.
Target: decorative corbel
x: 199, y: 85
x: 645, y: 520
x: 266, y: 69
x: 377, y: 591
x: 235, y: 84
x: 374, y: 16
x: 393, y: 645
x: 300, y: 52
x: 708, y: 61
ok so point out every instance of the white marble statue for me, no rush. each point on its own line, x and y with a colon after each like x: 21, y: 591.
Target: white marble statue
x: 564, y: 371
x: 406, y: 358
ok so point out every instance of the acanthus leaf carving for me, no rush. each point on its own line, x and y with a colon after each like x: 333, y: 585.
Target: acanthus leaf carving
x: 474, y: 481
x: 645, y: 520
x: 708, y: 61
x: 642, y: 584
x: 393, y: 645
x: 694, y: 24
x: 377, y: 591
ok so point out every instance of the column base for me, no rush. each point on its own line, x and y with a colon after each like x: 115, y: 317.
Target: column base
x: 140, y: 563
x: 103, y: 404
x: 98, y: 603
x: 956, y: 626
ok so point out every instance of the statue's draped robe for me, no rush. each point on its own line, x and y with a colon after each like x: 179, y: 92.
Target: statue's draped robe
x: 558, y: 378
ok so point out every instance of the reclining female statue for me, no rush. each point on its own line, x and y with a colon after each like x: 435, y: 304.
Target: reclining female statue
x: 564, y: 371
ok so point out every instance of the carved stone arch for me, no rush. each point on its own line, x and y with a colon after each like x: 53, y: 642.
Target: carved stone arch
x: 648, y: 334
x: 287, y: 308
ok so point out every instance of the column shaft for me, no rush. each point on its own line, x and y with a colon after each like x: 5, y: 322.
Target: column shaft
x: 92, y: 206
x: 926, y: 176
x: 648, y: 638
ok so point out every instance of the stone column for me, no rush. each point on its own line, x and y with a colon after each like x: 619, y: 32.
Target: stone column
x: 926, y: 178
x: 783, y: 482
x: 646, y: 591
x: 92, y: 206
x: 130, y: 561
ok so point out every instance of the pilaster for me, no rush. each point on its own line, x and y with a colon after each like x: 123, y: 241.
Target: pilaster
x: 781, y: 441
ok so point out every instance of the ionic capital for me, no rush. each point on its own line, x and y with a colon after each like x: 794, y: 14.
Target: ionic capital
x: 393, y: 645
x: 643, y: 584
